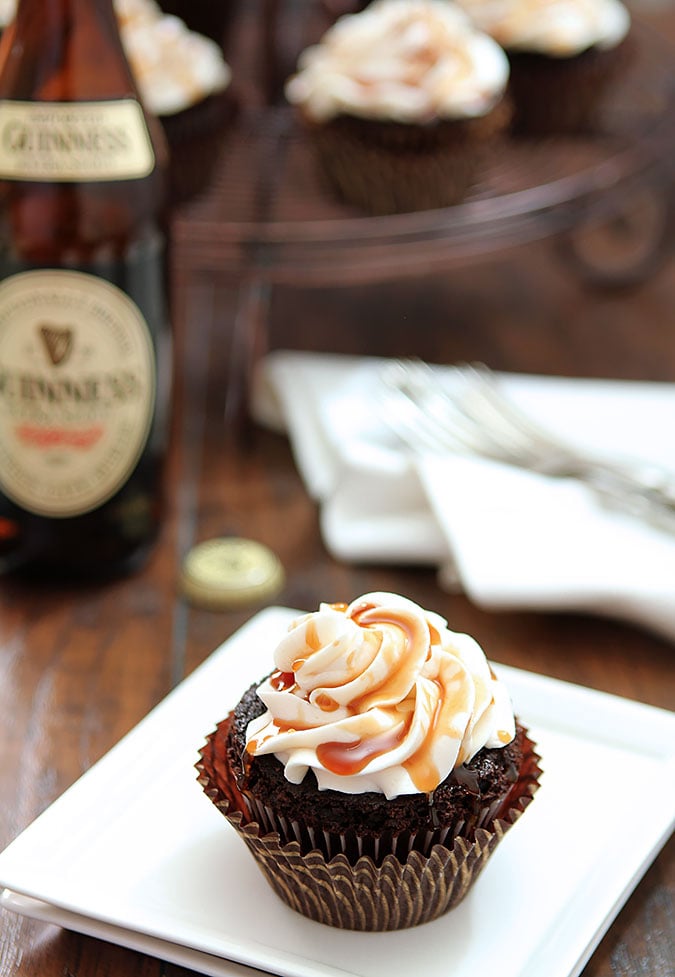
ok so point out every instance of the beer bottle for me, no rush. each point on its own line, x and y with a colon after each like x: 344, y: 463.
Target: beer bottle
x: 84, y: 332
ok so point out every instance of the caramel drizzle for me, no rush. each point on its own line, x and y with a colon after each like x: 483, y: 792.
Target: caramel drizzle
x: 391, y: 694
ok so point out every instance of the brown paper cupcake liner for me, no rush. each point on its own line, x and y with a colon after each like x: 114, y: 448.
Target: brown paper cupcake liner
x: 196, y: 138
x: 564, y: 96
x: 331, y: 844
x: 377, y: 891
x: 389, y: 167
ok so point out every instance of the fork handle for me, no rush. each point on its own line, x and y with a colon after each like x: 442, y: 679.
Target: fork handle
x: 649, y: 496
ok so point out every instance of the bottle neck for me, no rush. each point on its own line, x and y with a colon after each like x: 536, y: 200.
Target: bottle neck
x: 59, y: 53
x: 60, y: 19
x: 64, y: 50
x: 57, y: 13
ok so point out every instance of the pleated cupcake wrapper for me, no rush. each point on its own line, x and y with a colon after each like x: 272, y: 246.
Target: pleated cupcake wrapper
x: 564, y: 95
x: 376, y: 891
x: 389, y: 167
x: 196, y: 137
x: 353, y: 845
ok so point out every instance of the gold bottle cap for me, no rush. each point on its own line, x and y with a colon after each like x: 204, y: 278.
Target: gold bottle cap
x: 230, y: 572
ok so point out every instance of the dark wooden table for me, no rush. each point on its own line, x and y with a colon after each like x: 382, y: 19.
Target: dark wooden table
x: 79, y: 667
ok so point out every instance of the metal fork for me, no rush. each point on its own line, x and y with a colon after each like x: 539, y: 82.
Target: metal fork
x: 463, y: 409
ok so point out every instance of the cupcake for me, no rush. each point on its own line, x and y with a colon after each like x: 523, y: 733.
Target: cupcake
x: 184, y: 80
x: 564, y: 56
x: 376, y: 768
x: 400, y: 101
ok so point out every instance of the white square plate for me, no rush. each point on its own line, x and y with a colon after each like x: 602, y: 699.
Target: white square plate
x: 135, y: 853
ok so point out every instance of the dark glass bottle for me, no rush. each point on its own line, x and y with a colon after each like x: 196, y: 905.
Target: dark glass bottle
x: 85, y: 343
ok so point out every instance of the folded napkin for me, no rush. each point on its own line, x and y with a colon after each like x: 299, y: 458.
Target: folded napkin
x: 508, y: 538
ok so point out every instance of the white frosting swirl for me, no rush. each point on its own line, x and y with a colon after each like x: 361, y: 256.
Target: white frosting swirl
x: 403, y: 60
x: 378, y: 696
x: 174, y: 67
x: 559, y: 28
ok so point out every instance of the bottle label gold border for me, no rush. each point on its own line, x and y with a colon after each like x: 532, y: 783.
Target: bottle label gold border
x: 67, y: 142
x: 78, y: 384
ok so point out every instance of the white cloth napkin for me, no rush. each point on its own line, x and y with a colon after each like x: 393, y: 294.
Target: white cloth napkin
x: 507, y: 537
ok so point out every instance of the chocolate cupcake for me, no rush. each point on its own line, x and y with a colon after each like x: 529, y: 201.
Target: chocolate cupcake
x: 184, y: 80
x: 400, y: 102
x: 375, y: 770
x: 564, y: 57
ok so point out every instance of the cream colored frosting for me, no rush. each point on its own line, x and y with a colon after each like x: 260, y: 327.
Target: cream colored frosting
x: 7, y: 11
x: 173, y: 66
x: 405, y: 60
x: 378, y: 696
x: 559, y: 28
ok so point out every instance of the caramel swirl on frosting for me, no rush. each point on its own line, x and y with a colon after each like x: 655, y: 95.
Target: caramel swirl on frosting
x: 558, y: 28
x: 378, y: 695
x: 403, y: 60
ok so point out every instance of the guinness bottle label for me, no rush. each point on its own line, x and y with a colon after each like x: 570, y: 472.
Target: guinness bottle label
x: 77, y: 390
x: 74, y: 141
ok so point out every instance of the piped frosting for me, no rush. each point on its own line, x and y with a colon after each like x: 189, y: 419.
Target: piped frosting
x: 559, y: 28
x: 378, y: 695
x: 403, y: 60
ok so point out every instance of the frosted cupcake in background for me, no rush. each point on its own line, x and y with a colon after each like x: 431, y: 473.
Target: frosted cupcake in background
x: 174, y: 67
x: 184, y: 80
x: 374, y: 771
x: 401, y: 101
x: 564, y: 56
